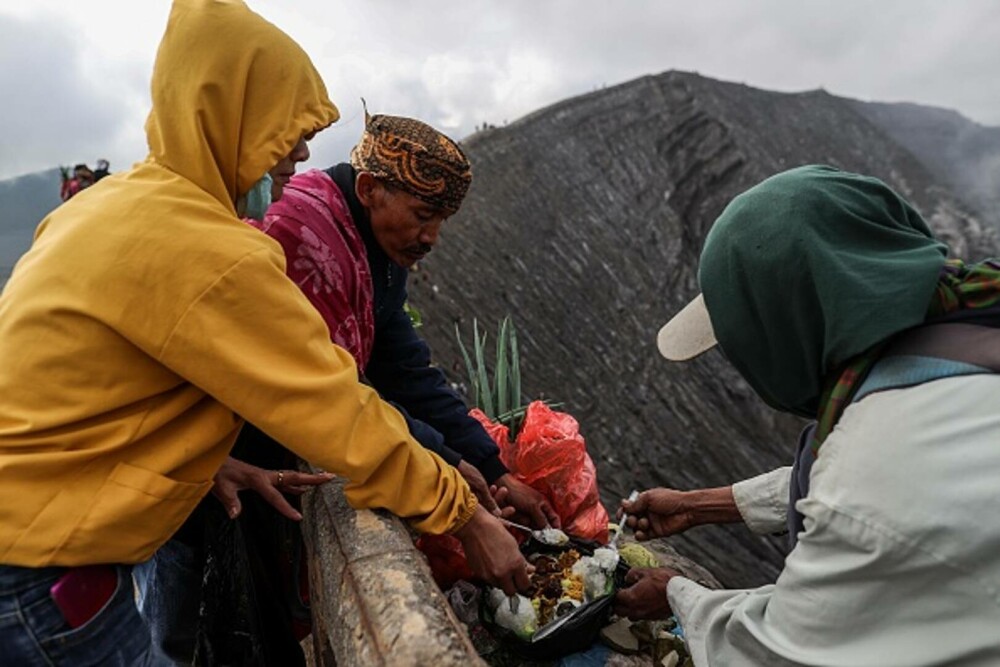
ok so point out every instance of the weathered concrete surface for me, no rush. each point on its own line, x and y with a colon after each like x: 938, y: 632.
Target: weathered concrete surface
x: 373, y: 599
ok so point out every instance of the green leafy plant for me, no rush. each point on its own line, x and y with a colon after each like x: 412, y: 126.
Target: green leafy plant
x: 415, y: 318
x: 498, y: 397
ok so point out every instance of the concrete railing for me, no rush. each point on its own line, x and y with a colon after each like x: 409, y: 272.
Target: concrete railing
x: 372, y: 596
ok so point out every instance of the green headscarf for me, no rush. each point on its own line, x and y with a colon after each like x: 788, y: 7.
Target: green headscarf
x: 808, y: 269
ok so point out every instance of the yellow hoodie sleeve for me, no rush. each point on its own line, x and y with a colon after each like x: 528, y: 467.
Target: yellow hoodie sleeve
x: 253, y: 342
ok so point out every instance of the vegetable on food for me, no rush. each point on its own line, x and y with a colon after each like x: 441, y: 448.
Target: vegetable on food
x: 637, y: 555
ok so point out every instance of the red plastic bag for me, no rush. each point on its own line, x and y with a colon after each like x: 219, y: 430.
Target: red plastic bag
x: 446, y: 559
x: 550, y: 456
x: 499, y: 432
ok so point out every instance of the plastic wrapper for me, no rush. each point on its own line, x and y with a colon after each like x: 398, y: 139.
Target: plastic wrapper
x: 464, y: 600
x: 550, y: 455
x: 523, y: 622
x: 446, y: 559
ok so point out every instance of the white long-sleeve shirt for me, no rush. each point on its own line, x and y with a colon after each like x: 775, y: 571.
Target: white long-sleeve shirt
x: 899, y: 563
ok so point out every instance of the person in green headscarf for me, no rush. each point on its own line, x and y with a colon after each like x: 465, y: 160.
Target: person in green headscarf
x: 830, y: 295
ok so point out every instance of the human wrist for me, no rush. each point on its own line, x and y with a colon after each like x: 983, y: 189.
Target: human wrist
x: 469, y: 525
x: 712, y: 506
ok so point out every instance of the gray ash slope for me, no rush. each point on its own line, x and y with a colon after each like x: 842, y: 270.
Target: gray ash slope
x: 958, y: 151
x: 585, y: 221
x: 24, y: 201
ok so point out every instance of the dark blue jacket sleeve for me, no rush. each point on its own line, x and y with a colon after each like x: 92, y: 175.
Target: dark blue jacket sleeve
x: 400, y: 370
x: 429, y: 437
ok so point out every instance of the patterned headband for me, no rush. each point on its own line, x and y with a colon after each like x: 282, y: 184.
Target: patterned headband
x: 416, y: 158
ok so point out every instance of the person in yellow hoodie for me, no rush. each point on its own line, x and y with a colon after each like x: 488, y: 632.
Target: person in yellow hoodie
x: 147, y: 321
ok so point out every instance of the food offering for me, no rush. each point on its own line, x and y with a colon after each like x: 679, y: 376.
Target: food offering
x: 555, y: 589
x: 573, y: 579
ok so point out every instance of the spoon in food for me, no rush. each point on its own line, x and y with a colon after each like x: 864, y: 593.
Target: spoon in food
x: 624, y: 521
x: 551, y: 536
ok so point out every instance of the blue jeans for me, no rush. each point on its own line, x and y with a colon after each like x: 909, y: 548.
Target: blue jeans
x: 169, y: 586
x: 34, y: 632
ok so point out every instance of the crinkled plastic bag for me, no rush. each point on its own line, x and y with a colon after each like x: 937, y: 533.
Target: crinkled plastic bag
x: 550, y: 456
x: 446, y: 559
x: 464, y: 600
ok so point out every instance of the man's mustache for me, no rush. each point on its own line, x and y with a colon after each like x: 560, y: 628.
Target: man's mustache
x: 422, y: 249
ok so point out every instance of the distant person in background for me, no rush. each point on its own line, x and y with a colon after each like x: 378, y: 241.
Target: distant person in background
x: 832, y: 298
x: 81, y: 179
x: 85, y: 176
x: 102, y: 169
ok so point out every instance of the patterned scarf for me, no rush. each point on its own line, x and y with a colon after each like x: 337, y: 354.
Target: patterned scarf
x: 960, y: 287
x: 416, y: 158
x: 326, y: 257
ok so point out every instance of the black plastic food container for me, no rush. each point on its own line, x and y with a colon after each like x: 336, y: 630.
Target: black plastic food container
x: 580, y: 632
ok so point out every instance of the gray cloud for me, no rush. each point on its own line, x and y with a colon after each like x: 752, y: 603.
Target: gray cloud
x: 499, y: 61
x: 457, y: 65
x: 50, y: 115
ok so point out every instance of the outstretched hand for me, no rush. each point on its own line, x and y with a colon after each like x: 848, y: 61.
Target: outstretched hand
x: 492, y: 553
x: 663, y: 512
x: 519, y: 502
x: 235, y: 476
x: 658, y: 513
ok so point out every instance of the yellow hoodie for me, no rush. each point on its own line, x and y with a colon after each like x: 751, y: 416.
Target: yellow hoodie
x: 146, y: 320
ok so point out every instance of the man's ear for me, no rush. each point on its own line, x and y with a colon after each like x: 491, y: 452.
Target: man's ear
x: 365, y: 187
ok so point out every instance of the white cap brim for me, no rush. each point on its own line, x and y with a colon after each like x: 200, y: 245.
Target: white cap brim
x: 688, y: 333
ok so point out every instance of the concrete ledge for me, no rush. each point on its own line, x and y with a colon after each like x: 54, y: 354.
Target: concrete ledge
x: 372, y: 596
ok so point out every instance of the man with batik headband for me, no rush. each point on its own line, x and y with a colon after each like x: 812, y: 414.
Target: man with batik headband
x: 350, y: 234
x: 414, y: 156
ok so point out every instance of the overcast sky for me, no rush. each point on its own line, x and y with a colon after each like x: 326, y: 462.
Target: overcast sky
x: 74, y: 75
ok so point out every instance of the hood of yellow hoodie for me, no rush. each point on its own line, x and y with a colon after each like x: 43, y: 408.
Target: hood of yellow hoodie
x: 232, y: 95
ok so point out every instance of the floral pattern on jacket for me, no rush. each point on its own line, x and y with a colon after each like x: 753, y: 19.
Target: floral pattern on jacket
x: 326, y: 258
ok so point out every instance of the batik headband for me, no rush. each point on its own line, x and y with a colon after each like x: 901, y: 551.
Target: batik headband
x: 415, y: 157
